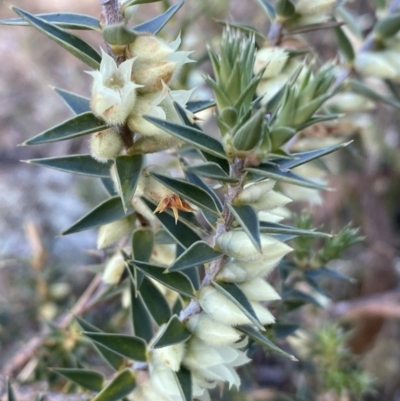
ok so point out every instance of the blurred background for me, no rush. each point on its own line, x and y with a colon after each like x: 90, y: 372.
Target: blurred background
x: 42, y: 275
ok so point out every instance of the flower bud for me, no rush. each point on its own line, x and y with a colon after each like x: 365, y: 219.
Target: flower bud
x: 151, y: 188
x: 106, y: 145
x: 313, y: 7
x: 211, y: 331
x: 170, y: 356
x: 232, y: 273
x: 112, y: 232
x: 258, y: 289
x: 273, y: 58
x: 147, y: 47
x: 200, y: 354
x: 264, y: 315
x: 373, y: 63
x: 152, y: 75
x: 114, y: 269
x: 220, y: 308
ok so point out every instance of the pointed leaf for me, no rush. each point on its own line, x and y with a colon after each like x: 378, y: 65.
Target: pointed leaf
x: 10, y: 392
x: 119, y: 388
x: 248, y: 220
x: 184, y: 378
x: 128, y: 169
x: 156, y: 24
x: 82, y: 124
x: 274, y: 228
x: 141, y: 321
x: 89, y: 379
x: 198, y: 254
x: 324, y: 272
x: 199, y: 105
x: 213, y: 171
x: 264, y: 341
x: 63, y: 20
x: 107, y: 212
x: 128, y: 346
x: 174, y: 280
x: 109, y: 186
x: 114, y: 360
x: 190, y: 192
x: 69, y: 42
x: 155, y: 302
x: 283, y: 330
x: 77, y: 164
x: 142, y: 247
x: 78, y: 104
x: 236, y: 295
x: 175, y: 332
x: 191, y: 135
x: 345, y: 46
x: 183, y: 234
x: 268, y: 8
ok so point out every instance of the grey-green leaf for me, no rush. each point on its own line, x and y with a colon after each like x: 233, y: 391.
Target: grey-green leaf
x: 83, y: 124
x: 268, y: 8
x: 78, y: 104
x: 175, y: 332
x: 128, y: 346
x: 199, y: 105
x: 236, y: 295
x: 107, y: 212
x: 345, y: 46
x: 248, y: 219
x: 63, y: 20
x: 198, y: 254
x: 213, y: 171
x: 193, y: 136
x: 156, y: 24
x: 274, y: 228
x: 120, y: 387
x: 10, y: 392
x: 190, y: 192
x: 77, y: 164
x: 128, y: 169
x: 69, y: 42
x: 142, y: 247
x: 174, y: 280
x: 184, y: 378
x: 89, y: 379
x: 141, y: 321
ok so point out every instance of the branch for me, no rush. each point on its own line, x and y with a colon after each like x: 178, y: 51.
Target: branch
x: 111, y: 11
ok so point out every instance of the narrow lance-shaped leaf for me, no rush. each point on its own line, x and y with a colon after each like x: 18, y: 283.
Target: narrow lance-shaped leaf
x: 128, y: 169
x: 76, y: 46
x: 191, y: 135
x: 184, y: 379
x: 107, y: 212
x: 78, y: 104
x: 141, y: 322
x: 213, y: 171
x: 191, y: 273
x: 175, y: 332
x: 324, y: 272
x: 63, y: 20
x: 120, y: 387
x: 248, y: 219
x: 174, y: 280
x: 198, y: 254
x: 142, y: 247
x: 83, y: 124
x: 236, y: 295
x: 89, y: 379
x: 156, y: 24
x: 128, y: 346
x: 109, y: 186
x: 264, y: 341
x: 190, y: 192
x: 77, y: 164
x: 275, y: 228
x: 199, y: 105
x: 268, y: 8
x: 10, y: 392
x: 345, y: 45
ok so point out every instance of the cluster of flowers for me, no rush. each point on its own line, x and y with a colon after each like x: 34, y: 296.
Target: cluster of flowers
x: 138, y: 86
x: 216, y: 346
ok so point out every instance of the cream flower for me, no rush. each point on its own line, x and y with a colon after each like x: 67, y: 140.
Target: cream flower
x: 273, y: 58
x: 113, y: 92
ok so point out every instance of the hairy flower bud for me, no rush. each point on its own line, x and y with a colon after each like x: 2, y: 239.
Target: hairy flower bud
x: 112, y: 232
x: 106, y: 145
x: 258, y: 289
x: 264, y: 315
x: 114, y: 269
x: 273, y: 58
x: 373, y: 63
x: 170, y: 356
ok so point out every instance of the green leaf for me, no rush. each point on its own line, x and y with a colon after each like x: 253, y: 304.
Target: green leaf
x: 198, y: 254
x: 345, y: 46
x: 107, y: 212
x: 268, y: 8
x: 77, y: 164
x: 190, y: 192
x: 155, y: 302
x: 183, y: 234
x: 284, y: 9
x: 89, y: 379
x: 283, y: 330
x: 264, y: 341
x: 128, y: 346
x: 76, y: 46
x: 141, y: 321
x: 248, y: 220
x: 200, y: 105
x: 118, y: 34
x: 135, y: 2
x: 128, y: 169
x: 213, y: 171
x: 246, y: 29
x: 236, y: 295
x: 184, y: 378
x: 120, y: 387
x: 63, y: 20
x: 274, y: 228
x: 193, y: 136
x: 109, y: 186
x: 294, y: 295
x: 82, y: 124
x: 114, y: 360
x: 174, y: 280
x: 324, y: 272
x: 156, y: 24
x: 175, y: 332
x: 10, y: 392
x: 387, y: 26
x: 78, y: 104
x: 142, y: 247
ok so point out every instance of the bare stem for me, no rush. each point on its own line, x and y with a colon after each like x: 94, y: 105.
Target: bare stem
x: 111, y: 12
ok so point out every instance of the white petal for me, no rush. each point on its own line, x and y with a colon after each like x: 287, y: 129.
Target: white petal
x: 258, y: 289
x: 125, y: 69
x: 182, y: 96
x: 263, y: 314
x: 108, y: 66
